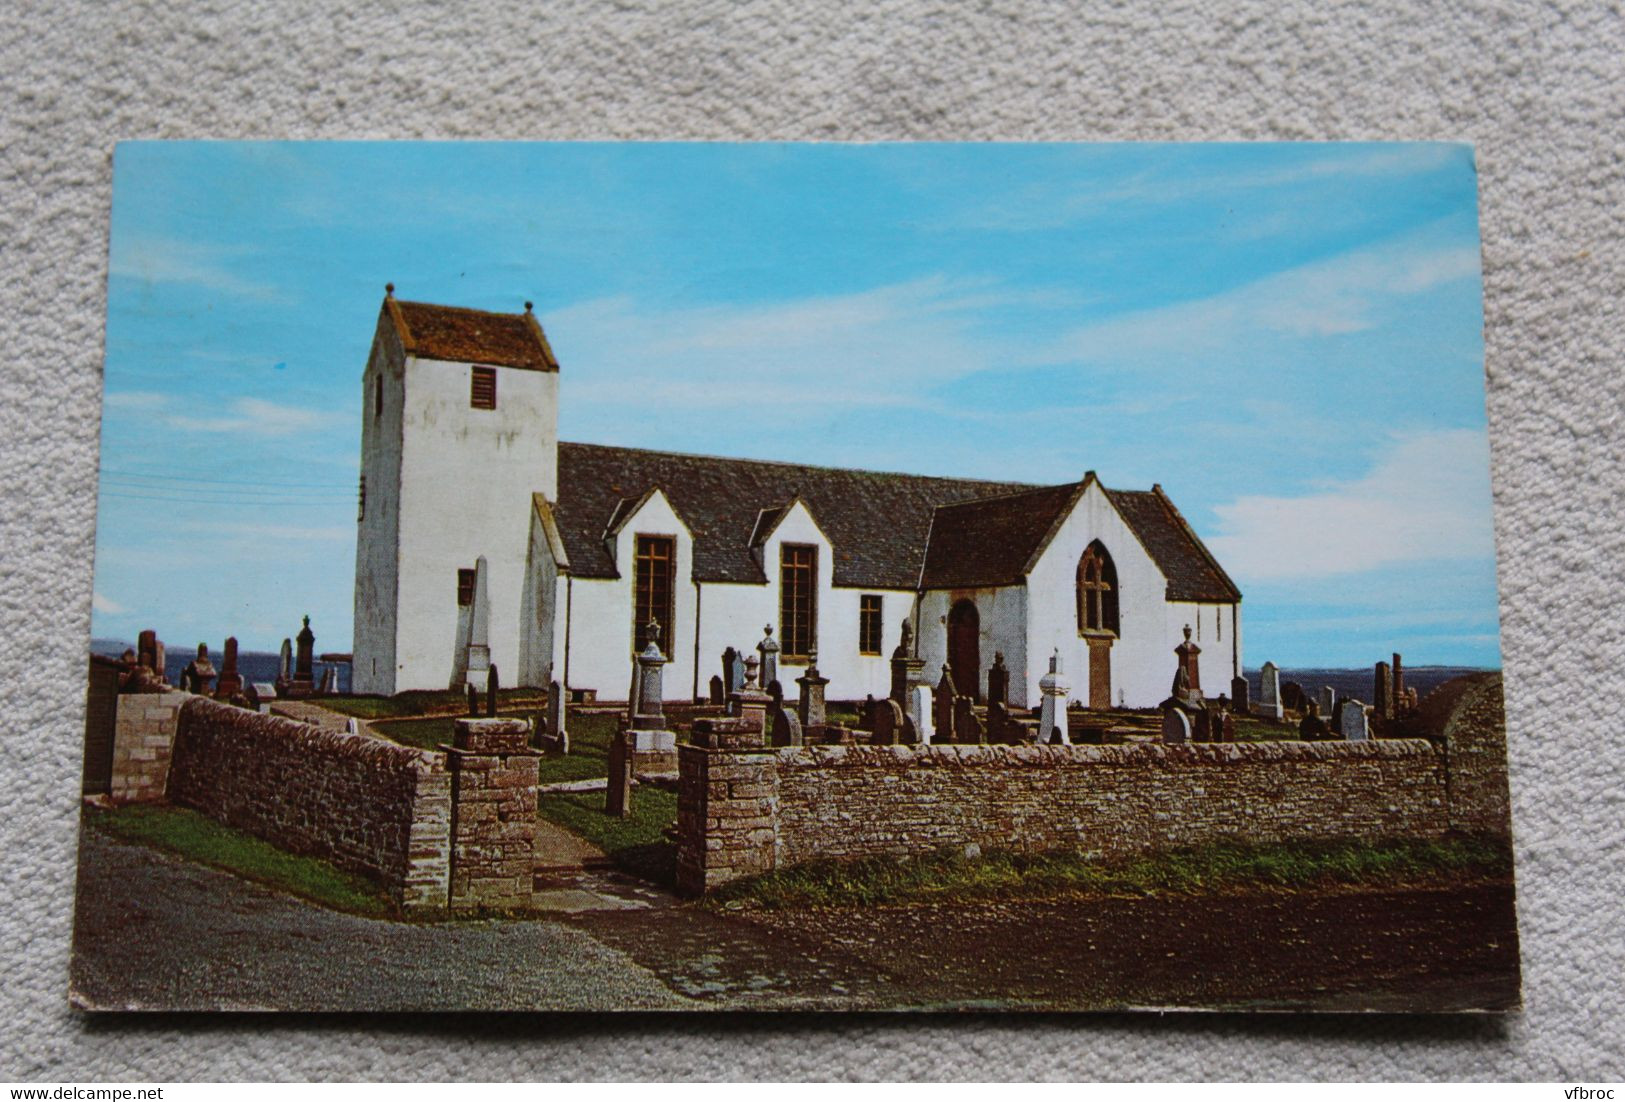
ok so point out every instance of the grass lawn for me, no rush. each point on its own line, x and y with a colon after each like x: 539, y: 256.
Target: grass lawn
x: 636, y: 844
x: 424, y: 703
x: 589, y: 742
x: 1214, y: 868
x: 201, y: 839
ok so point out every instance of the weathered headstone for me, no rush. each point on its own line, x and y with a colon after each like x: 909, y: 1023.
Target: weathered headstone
x: 918, y: 714
x: 1202, y: 727
x: 304, y: 662
x: 810, y: 709
x: 1313, y: 728
x: 556, y: 717
x: 473, y: 700
x: 1052, y: 721
x: 1326, y: 699
x: 998, y: 681
x: 491, y: 686
x: 1176, y: 726
x: 1189, y: 653
x: 786, y: 728
x: 648, y: 721
x: 718, y: 691
x: 733, y: 671
x: 889, y: 723
x: 749, y: 704
x: 1382, y: 691
x: 477, y: 652
x: 618, y: 798
x: 1228, y: 728
x: 229, y: 684
x: 942, y: 705
x: 199, y: 675
x: 968, y: 730
x: 905, y: 667
x: 284, y: 667
x: 1399, y: 683
x: 1351, y: 721
x: 1241, y: 695
x: 1269, y: 693
x: 767, y: 652
x: 1293, y: 696
x: 329, y: 685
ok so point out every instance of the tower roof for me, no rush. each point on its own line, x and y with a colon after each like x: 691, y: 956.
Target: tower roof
x: 458, y: 334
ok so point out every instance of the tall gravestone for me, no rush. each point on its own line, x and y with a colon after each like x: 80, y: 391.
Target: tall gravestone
x: 200, y: 674
x: 998, y: 681
x: 1327, y: 700
x: 1269, y: 693
x: 1176, y: 726
x: 767, y: 652
x: 909, y: 687
x: 648, y: 720
x: 491, y: 686
x: 942, y: 705
x: 810, y: 708
x: 1241, y: 695
x: 733, y: 671
x: 284, y: 667
x: 1382, y: 691
x: 230, y: 682
x: 555, y: 717
x: 1189, y: 654
x: 1399, y: 683
x: 1052, y: 720
x: 304, y: 662
x: 718, y: 693
x: 477, y: 654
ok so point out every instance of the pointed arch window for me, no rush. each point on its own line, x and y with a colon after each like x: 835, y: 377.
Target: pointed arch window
x: 1097, y: 591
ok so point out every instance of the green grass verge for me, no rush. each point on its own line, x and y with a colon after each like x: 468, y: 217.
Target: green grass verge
x: 1206, y: 869
x: 589, y: 742
x: 636, y: 844
x: 198, y: 838
x: 420, y: 702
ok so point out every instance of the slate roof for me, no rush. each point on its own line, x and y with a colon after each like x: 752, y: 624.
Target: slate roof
x: 990, y: 541
x: 885, y: 528
x: 877, y: 523
x: 1193, y: 573
x: 461, y: 335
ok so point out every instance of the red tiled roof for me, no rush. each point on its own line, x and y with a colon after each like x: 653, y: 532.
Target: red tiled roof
x: 461, y: 335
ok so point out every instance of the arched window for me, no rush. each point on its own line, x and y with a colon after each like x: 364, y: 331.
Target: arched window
x: 1097, y: 590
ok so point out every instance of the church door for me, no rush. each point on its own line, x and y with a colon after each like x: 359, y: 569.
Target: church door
x: 964, y: 649
x: 1100, y: 672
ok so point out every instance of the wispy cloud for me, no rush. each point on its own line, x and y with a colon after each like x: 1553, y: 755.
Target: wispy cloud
x: 1426, y: 499
x: 106, y: 606
x: 248, y: 416
x: 212, y: 267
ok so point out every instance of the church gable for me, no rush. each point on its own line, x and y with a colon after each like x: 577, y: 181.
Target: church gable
x: 1193, y: 573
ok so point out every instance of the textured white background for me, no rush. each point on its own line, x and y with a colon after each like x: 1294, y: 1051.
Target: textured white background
x: 1537, y: 88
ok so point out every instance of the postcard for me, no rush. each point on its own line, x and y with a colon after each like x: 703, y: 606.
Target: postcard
x: 619, y: 576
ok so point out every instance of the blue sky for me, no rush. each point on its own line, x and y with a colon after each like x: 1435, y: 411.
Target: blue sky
x: 1287, y: 337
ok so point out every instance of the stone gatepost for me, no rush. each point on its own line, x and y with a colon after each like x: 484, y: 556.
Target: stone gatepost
x: 727, y: 808
x: 494, y: 774
x: 1052, y: 721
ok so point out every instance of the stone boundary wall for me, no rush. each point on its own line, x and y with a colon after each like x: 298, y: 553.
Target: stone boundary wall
x: 143, y: 740
x: 1476, y: 738
x: 746, y: 812
x: 365, y: 804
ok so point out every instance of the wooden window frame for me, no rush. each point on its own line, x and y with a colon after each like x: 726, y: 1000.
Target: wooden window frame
x: 653, y: 556
x: 467, y: 578
x: 798, y: 598
x: 871, y: 623
x: 482, y: 397
x: 1097, y: 594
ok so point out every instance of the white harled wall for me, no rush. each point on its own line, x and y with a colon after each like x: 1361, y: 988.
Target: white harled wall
x: 464, y: 486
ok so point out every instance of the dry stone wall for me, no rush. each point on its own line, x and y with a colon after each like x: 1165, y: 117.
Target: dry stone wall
x: 365, y: 804
x: 143, y: 740
x: 1476, y: 741
x: 741, y: 813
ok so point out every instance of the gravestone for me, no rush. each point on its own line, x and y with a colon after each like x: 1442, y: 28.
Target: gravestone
x: 1241, y: 694
x: 786, y: 728
x: 1327, y: 700
x: 1269, y: 693
x: 230, y: 683
x: 1351, y: 721
x: 942, y: 705
x: 866, y: 713
x: 491, y: 684
x: 1293, y: 696
x: 1052, y: 720
x: 1228, y: 728
x: 618, y: 797
x: 330, y: 681
x: 749, y: 704
x: 650, y: 738
x: 889, y: 723
x: 1188, y: 653
x: 810, y: 708
x: 998, y: 681
x: 918, y: 714
x: 477, y: 652
x: 555, y: 718
x: 905, y: 667
x: 304, y: 660
x: 473, y: 701
x: 199, y: 674
x: 768, y: 653
x: 1202, y: 728
x: 1399, y: 683
x: 284, y: 667
x: 733, y: 671
x: 719, y: 692
x: 968, y: 730
x: 1313, y: 728
x: 1382, y: 691
x: 1176, y: 726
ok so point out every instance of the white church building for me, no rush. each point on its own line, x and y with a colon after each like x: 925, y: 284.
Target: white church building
x: 484, y: 539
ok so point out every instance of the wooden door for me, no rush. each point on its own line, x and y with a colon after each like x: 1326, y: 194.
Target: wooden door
x: 964, y: 649
x: 1100, y: 673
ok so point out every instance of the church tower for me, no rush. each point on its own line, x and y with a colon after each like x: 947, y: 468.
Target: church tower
x: 459, y: 430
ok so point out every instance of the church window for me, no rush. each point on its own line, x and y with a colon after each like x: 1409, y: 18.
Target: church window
x: 653, y: 571
x: 798, y: 599
x: 465, y: 587
x: 361, y: 499
x: 1097, y: 591
x: 869, y: 621
x: 482, y: 392
x: 378, y: 396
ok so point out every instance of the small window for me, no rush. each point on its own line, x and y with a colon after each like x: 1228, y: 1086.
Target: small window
x: 378, y: 396
x: 361, y: 503
x: 798, y: 600
x: 465, y: 588
x: 870, y: 617
x: 482, y: 392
